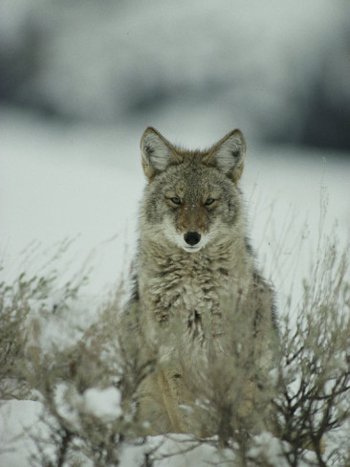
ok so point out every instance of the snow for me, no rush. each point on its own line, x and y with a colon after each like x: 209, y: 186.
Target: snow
x: 103, y: 403
x: 17, y: 418
x: 269, y: 447
x: 100, y: 403
x: 181, y: 451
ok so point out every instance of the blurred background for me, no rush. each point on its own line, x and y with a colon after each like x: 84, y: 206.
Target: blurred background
x: 81, y: 79
x: 279, y: 70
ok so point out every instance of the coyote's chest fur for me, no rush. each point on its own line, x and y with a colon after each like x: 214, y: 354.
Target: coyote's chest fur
x: 190, y: 292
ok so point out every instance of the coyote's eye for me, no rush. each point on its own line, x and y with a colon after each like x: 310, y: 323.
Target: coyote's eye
x: 175, y: 200
x: 209, y: 201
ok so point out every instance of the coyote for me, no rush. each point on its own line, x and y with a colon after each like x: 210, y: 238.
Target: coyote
x: 200, y: 309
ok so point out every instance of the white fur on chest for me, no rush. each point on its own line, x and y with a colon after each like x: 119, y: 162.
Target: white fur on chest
x: 186, y: 294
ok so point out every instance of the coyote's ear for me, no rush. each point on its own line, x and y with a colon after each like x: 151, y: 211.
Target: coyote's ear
x: 229, y: 153
x: 156, y: 152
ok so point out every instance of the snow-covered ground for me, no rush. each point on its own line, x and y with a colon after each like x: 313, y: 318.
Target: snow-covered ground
x: 84, y: 183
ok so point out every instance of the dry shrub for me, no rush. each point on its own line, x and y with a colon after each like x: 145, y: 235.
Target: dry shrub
x: 314, y: 375
x: 304, y: 402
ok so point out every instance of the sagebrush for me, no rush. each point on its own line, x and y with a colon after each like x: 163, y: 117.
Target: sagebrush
x: 310, y: 388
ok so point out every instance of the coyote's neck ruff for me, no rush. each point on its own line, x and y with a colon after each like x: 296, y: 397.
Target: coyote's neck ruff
x: 190, y: 290
x: 196, y: 284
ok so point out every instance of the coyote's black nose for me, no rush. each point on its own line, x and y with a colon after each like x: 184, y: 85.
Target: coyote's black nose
x: 192, y: 238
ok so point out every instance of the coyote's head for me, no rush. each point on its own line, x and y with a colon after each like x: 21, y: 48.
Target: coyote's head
x: 192, y: 197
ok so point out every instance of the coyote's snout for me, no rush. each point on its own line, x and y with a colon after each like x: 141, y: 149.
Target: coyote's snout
x: 202, y: 310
